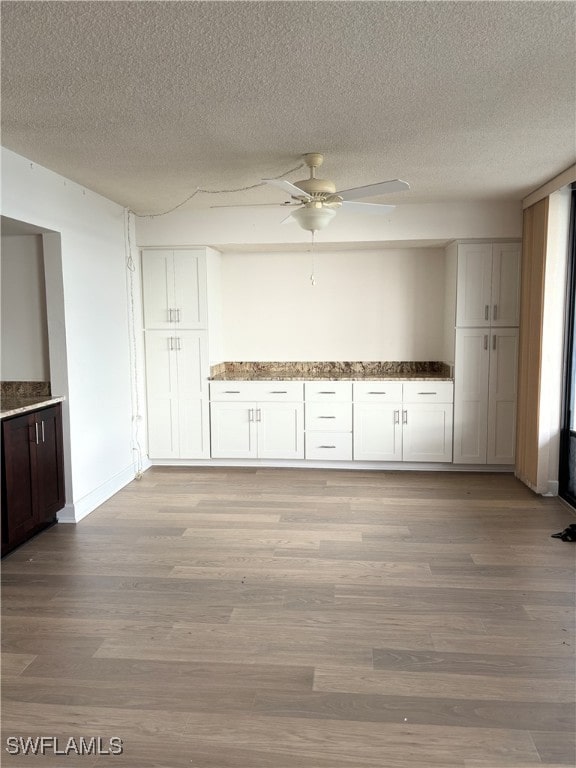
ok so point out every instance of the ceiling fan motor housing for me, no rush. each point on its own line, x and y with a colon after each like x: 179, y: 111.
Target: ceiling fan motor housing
x: 316, y: 187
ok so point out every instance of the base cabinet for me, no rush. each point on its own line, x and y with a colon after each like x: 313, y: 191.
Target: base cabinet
x: 403, y: 421
x: 377, y: 432
x: 257, y: 430
x: 403, y: 432
x: 32, y: 474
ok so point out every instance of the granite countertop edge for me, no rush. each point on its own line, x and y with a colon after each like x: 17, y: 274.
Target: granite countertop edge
x: 320, y: 377
x: 26, y: 404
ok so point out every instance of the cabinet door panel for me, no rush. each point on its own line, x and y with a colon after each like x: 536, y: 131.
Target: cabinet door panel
x: 280, y: 430
x: 233, y: 433
x: 471, y: 395
x: 194, y: 430
x: 189, y: 291
x: 502, y: 396
x: 506, y: 284
x: 162, y: 428
x: 192, y: 363
x: 377, y: 432
x: 18, y: 437
x: 161, y: 364
x: 474, y: 300
x: 162, y: 394
x: 49, y: 464
x: 157, y: 288
x: 427, y: 432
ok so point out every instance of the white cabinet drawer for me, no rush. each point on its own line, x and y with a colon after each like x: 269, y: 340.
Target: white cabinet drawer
x: 329, y: 417
x: 377, y: 391
x: 263, y: 391
x: 332, y: 446
x: 428, y: 392
x: 326, y: 391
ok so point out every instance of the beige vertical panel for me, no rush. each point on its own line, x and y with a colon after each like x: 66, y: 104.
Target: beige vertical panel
x: 530, y: 354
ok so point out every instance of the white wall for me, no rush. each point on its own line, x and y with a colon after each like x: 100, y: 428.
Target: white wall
x: 432, y: 221
x: 87, y: 299
x: 365, y: 305
x: 24, y: 336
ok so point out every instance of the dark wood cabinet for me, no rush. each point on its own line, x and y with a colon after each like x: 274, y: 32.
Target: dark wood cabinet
x: 32, y: 474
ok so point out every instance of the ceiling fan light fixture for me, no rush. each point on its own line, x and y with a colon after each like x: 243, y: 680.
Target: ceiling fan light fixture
x: 314, y: 218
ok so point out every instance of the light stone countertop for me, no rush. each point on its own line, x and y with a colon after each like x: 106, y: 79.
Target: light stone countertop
x: 320, y: 377
x: 15, y: 407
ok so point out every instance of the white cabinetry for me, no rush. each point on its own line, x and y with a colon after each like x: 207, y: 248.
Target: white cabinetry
x: 173, y: 288
x: 485, y: 395
x: 427, y: 417
x: 328, y: 420
x: 377, y: 421
x: 403, y: 421
x: 257, y: 419
x: 175, y: 298
x: 486, y: 352
x: 488, y: 290
x: 177, y: 396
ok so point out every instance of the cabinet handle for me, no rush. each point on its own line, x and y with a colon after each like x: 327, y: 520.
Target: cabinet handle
x: 170, y: 316
x: 396, y: 417
x: 404, y: 417
x: 278, y: 392
x: 494, y: 341
x: 231, y: 391
x: 327, y: 393
x: 178, y: 317
x: 36, y: 425
x: 326, y: 417
x: 427, y: 393
x: 376, y: 393
x: 486, y: 312
x: 326, y: 446
x: 495, y: 311
x: 250, y: 414
x: 42, y: 424
x: 258, y: 414
x: 485, y: 341
x: 178, y: 344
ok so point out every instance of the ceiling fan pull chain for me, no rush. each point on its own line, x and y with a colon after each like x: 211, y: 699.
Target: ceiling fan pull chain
x: 312, y: 276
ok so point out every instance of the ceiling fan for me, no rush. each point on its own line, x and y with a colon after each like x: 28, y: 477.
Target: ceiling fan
x: 316, y: 201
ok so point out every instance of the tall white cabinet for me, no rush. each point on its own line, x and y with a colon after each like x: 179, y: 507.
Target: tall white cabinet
x: 175, y: 312
x: 486, y: 352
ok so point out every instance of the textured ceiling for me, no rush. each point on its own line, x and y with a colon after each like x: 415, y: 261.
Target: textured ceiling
x: 146, y: 101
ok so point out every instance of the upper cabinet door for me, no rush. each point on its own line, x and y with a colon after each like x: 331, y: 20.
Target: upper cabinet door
x: 190, y: 289
x: 505, y: 310
x: 158, y: 288
x: 474, y: 300
x: 174, y: 289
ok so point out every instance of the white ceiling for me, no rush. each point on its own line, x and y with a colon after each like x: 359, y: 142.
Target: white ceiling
x: 146, y: 101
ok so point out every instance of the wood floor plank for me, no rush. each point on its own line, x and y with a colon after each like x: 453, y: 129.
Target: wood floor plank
x: 444, y: 684
x: 217, y: 617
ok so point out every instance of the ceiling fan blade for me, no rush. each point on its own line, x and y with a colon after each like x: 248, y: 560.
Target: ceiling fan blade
x: 287, y: 186
x: 381, y: 188
x: 256, y: 205
x: 288, y: 220
x: 351, y: 207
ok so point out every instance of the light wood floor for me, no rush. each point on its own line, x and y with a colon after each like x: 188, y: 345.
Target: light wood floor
x: 241, y: 618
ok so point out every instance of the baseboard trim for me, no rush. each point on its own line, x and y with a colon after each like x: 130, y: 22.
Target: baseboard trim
x: 76, y: 511
x: 399, y: 466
